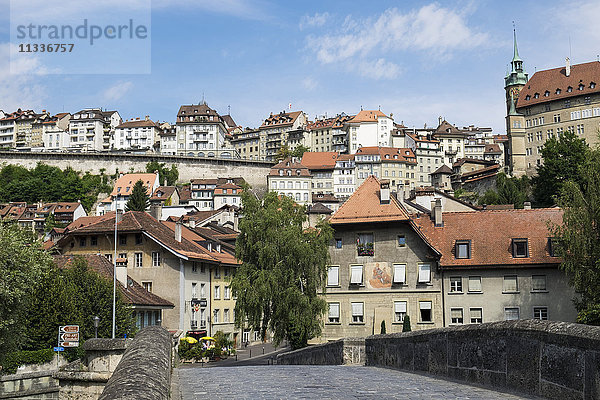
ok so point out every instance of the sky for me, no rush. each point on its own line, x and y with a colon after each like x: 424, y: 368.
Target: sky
x: 415, y: 60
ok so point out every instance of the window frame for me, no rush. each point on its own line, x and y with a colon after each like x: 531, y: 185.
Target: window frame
x: 338, y: 243
x: 332, y: 319
x: 515, y: 243
x: 357, y: 318
x: 542, y: 310
x: 459, y: 243
x: 456, y: 288
x: 362, y: 273
x: 399, y: 315
x: 420, y: 281
x: 337, y: 280
x: 460, y: 320
x: 156, y: 260
x: 469, y: 289
x: 402, y: 267
x: 471, y: 318
x: 401, y: 241
x: 533, y: 288
x: 217, y: 292
x: 421, y: 308
x: 512, y: 308
x: 506, y: 279
x: 367, y: 248
x: 138, y: 259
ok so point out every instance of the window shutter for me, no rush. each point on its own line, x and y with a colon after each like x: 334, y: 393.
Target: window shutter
x: 475, y: 284
x: 510, y: 283
x: 400, y: 306
x: 425, y: 305
x: 538, y: 282
x: 399, y: 273
x: 424, y: 273
x: 357, y: 273
x: 334, y: 310
x: 357, y: 308
x: 333, y: 276
x: 476, y: 313
x: 456, y: 313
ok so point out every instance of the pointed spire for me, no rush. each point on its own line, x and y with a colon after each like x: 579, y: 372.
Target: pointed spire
x: 516, y: 50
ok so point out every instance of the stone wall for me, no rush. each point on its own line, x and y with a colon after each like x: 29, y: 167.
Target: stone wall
x: 350, y: 351
x: 144, y: 372
x: 556, y: 360
x: 30, y: 385
x: 254, y: 172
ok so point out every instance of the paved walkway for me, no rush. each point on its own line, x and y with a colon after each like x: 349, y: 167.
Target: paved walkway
x: 321, y: 382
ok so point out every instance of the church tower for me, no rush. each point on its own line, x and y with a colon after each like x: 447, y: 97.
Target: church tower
x: 515, y: 122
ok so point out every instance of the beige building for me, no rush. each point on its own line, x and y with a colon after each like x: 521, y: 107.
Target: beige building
x: 328, y: 134
x: 321, y: 166
x: 500, y: 265
x: 247, y: 143
x: 381, y: 268
x: 275, y: 133
x: 397, y: 165
x: 290, y: 178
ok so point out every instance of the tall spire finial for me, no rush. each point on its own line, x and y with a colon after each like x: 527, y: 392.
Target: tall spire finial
x: 516, y: 50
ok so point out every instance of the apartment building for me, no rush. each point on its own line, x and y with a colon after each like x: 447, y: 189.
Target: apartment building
x: 201, y: 132
x: 247, y: 143
x: 92, y: 129
x: 321, y: 166
x: 291, y: 178
x: 368, y: 128
x: 138, y: 135
x: 328, y: 134
x: 168, y: 139
x: 452, y: 141
x: 344, y: 176
x: 213, y: 193
x: 55, y: 132
x: 122, y: 190
x: 428, y: 152
x: 397, y: 165
x: 275, y: 132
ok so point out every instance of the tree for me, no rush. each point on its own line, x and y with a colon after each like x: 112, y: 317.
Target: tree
x: 382, y: 331
x: 299, y: 151
x: 283, y: 153
x: 406, y: 324
x: 562, y: 158
x: 74, y: 295
x: 23, y: 264
x: 508, y: 191
x: 164, y: 174
x: 138, y: 199
x: 283, y: 267
x: 578, y: 237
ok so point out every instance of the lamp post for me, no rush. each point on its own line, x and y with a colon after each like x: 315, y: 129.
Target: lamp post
x: 96, y: 323
x: 114, y: 302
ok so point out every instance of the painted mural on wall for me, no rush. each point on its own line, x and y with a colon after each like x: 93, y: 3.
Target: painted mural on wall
x: 379, y: 275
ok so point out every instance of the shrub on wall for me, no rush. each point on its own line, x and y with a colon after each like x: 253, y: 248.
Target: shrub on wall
x: 18, y: 358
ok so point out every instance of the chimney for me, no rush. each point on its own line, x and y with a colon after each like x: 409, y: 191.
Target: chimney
x: 401, y: 193
x: 567, y: 66
x: 192, y: 223
x: 122, y: 271
x: 527, y: 205
x: 156, y: 210
x: 178, y: 228
x: 384, y: 191
x: 438, y: 212
x: 147, y: 118
x: 439, y: 120
x: 432, y: 209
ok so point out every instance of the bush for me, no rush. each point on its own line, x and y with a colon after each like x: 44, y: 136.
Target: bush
x: 18, y: 358
x: 383, y: 327
x: 406, y: 324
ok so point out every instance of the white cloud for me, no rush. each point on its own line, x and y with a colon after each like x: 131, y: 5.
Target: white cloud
x: 369, y: 42
x: 319, y: 19
x: 117, y: 91
x: 309, y: 83
x: 19, y: 86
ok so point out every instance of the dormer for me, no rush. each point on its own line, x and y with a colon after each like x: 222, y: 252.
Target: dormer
x: 558, y: 90
x: 569, y: 89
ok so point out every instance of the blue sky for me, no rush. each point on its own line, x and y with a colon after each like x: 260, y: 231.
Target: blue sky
x: 417, y: 60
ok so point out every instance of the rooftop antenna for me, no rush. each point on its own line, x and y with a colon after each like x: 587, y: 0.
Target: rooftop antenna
x: 229, y: 109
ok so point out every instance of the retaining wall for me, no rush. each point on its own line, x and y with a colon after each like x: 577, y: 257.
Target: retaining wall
x: 350, y: 351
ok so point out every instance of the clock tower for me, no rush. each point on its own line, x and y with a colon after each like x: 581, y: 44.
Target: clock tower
x: 515, y: 122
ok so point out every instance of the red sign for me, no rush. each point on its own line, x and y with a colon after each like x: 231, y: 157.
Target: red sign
x: 69, y: 328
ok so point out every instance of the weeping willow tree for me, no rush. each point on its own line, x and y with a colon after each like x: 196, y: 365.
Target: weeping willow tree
x: 578, y: 238
x: 283, y: 268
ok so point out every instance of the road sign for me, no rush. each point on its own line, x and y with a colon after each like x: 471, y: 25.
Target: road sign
x: 69, y: 337
x: 69, y: 328
x: 68, y: 344
x: 59, y: 349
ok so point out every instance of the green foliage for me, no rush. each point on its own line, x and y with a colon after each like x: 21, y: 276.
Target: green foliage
x: 50, y: 184
x: 382, y: 331
x: 169, y: 174
x: 562, y: 159
x: 74, y: 296
x: 579, y: 237
x: 283, y: 267
x: 283, y: 153
x: 138, y: 199
x: 50, y: 223
x: 406, y: 324
x: 15, y: 359
x: 508, y: 191
x: 23, y: 265
x: 299, y: 151
x: 222, y: 341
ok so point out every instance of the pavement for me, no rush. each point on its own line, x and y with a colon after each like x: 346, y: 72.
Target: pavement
x: 322, y: 382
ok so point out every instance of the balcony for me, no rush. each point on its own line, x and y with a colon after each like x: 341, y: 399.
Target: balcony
x: 193, y: 325
x: 365, y: 249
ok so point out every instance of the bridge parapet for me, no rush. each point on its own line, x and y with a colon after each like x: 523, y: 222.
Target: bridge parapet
x: 349, y: 351
x: 556, y: 360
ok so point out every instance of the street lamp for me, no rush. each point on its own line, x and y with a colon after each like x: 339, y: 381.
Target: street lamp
x: 96, y: 323
x: 114, y: 302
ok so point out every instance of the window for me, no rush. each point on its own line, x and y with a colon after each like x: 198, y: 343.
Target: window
x: 202, y: 291
x: 123, y: 255
x: 138, y: 238
x: 217, y: 272
x: 333, y: 276
x: 108, y: 257
x: 399, y: 273
x: 334, y: 313
x: 425, y: 311
x: 217, y: 292
x: 82, y: 241
x: 456, y: 284
x: 519, y: 248
x: 358, y: 313
x: 510, y: 284
x: 476, y: 315
x: 456, y: 316
x: 399, y: 311
x: 364, y: 244
x: 227, y: 293
x: 147, y: 286
x: 401, y: 241
x: 553, y: 247
x: 216, y: 316
x: 225, y: 269
x: 123, y: 239
x: 194, y: 267
x: 540, y: 313
x: 94, y: 241
x: 338, y: 243
x: 424, y: 273
x: 475, y: 284
x: 138, y: 260
x: 156, y: 259
x: 462, y: 249
x: 356, y: 274
x: 194, y: 290
x: 226, y: 315
x: 511, y: 313
x: 538, y: 283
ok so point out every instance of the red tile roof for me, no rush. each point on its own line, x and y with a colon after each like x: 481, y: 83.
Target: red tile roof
x: 289, y: 165
x: 129, y: 180
x: 281, y: 119
x: 364, y: 206
x: 163, y: 193
x: 491, y: 233
x: 390, y: 154
x: 138, y: 123
x: 367, y: 116
x: 315, y: 160
x: 587, y: 74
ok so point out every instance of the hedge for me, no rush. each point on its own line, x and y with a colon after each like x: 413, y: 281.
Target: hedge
x: 18, y: 358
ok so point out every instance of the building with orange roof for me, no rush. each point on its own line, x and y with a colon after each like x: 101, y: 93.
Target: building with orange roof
x: 321, y: 166
x: 139, y: 135
x: 55, y: 132
x: 369, y: 128
x: 92, y: 129
x: 382, y: 268
x: 328, y: 134
x: 122, y: 189
x: 283, y: 129
x: 291, y: 178
x: 396, y: 164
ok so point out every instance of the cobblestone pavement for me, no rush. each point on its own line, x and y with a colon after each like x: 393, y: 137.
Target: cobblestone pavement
x: 322, y: 382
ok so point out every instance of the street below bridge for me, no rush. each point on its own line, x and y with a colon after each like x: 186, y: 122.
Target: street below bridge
x: 322, y: 382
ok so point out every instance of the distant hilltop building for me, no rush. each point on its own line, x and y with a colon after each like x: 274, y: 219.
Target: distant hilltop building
x: 552, y: 102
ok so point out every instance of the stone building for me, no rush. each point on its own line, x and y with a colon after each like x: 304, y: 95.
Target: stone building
x: 290, y: 178
x: 139, y: 135
x: 500, y: 265
x: 381, y: 268
x: 275, y: 132
x: 397, y: 165
x: 92, y: 129
x: 553, y: 101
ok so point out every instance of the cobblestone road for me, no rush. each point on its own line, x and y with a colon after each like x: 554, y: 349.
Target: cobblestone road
x: 321, y: 382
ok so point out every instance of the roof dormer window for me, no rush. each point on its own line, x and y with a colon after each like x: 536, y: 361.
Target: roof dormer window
x: 546, y: 93
x: 536, y: 96
x: 528, y: 97
x: 581, y: 86
x: 558, y: 91
x: 592, y: 85
x: 569, y: 89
